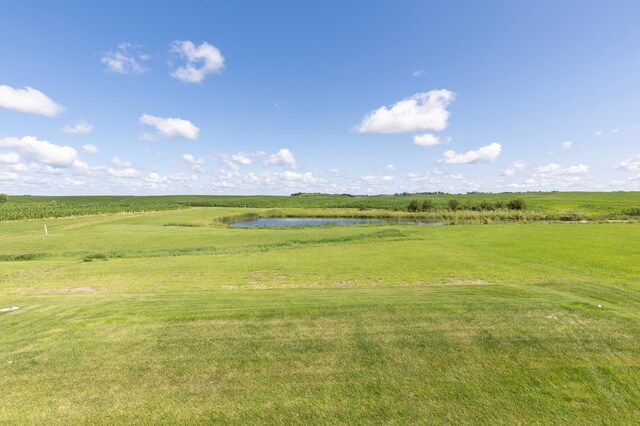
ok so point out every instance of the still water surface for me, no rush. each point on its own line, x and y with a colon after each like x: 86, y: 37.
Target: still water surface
x: 317, y: 221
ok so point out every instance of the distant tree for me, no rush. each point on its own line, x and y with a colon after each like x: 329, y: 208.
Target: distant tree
x: 4, y: 198
x: 453, y: 204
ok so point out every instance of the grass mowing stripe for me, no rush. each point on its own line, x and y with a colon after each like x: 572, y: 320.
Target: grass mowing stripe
x: 353, y: 348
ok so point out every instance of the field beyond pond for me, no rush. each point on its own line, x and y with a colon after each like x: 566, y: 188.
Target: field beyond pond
x: 176, y: 317
x: 450, y: 208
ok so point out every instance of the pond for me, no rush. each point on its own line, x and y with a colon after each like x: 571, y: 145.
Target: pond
x: 322, y: 221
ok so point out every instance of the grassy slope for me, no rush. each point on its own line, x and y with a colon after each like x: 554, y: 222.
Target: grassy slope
x: 456, y: 324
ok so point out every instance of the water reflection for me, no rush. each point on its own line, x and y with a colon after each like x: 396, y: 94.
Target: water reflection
x: 316, y: 221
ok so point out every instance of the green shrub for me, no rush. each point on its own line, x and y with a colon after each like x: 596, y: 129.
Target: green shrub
x: 516, y: 204
x: 631, y: 212
x: 4, y: 198
x: 17, y: 257
x: 413, y: 206
x: 486, y: 205
x: 453, y: 204
x: 96, y: 256
x: 427, y: 205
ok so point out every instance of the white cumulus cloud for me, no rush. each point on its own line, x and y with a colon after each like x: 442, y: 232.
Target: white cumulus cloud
x: 422, y: 111
x: 28, y: 100
x: 43, y: 151
x: 9, y: 158
x: 426, y: 139
x: 486, y: 154
x: 80, y: 128
x: 169, y: 128
x: 200, y: 61
x: 283, y: 158
x: 125, y: 60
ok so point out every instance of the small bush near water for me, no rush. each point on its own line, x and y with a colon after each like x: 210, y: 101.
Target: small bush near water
x: 17, y: 257
x: 453, y: 204
x: 516, y: 204
x: 96, y: 256
x: 632, y: 212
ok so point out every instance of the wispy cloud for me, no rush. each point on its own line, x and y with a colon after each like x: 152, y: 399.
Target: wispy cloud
x: 554, y: 169
x: 200, y: 61
x: 189, y: 158
x: 123, y: 173
x: 79, y: 128
x: 516, y: 166
x: 631, y: 164
x: 90, y: 149
x: 377, y: 180
x: 125, y: 60
x: 115, y: 161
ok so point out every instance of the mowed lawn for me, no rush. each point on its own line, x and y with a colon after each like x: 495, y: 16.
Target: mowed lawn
x: 468, y: 324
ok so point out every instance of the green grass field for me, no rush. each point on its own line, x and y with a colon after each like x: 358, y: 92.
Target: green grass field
x: 164, y: 317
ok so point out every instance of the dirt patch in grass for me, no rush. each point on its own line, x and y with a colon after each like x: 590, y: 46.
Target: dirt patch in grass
x: 265, y: 279
x: 61, y: 290
x: 81, y: 290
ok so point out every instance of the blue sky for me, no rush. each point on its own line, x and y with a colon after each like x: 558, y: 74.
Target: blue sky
x: 252, y: 97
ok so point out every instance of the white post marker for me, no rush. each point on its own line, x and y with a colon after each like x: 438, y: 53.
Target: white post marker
x: 46, y: 233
